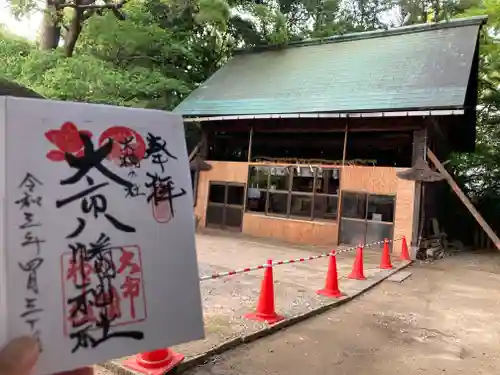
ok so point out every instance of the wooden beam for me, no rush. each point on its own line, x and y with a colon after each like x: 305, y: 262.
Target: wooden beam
x: 195, y: 151
x: 467, y: 203
x: 250, y: 141
x: 317, y: 125
x: 344, y: 151
x: 243, y: 128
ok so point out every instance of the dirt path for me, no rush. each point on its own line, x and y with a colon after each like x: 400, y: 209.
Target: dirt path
x: 443, y: 320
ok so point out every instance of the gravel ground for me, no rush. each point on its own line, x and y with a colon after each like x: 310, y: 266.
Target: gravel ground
x: 227, y: 299
x: 442, y: 320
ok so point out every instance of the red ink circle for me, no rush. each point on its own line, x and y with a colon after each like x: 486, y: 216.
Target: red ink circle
x: 120, y: 134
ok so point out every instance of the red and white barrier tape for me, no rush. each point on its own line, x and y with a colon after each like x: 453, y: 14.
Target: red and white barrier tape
x: 277, y: 263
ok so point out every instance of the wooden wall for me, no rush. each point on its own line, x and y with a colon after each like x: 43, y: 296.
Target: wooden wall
x: 383, y: 180
x: 295, y: 231
x: 221, y: 171
x: 379, y: 180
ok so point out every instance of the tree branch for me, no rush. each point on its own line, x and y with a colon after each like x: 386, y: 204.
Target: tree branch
x: 116, y: 5
x: 88, y: 13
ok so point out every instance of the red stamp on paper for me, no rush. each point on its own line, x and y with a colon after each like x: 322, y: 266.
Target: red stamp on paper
x: 128, y: 146
x: 88, y: 296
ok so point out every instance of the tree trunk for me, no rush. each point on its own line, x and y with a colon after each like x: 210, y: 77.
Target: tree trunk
x: 74, y: 30
x: 50, y: 33
x: 317, y: 17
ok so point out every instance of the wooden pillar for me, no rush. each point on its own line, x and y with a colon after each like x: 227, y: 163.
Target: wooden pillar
x: 339, y: 205
x: 204, y: 143
x: 419, y: 151
x: 419, y: 145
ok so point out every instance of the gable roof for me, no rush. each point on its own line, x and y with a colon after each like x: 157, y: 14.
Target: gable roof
x: 420, y: 67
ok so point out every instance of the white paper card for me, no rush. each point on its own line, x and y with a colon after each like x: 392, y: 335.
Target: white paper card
x: 98, y: 251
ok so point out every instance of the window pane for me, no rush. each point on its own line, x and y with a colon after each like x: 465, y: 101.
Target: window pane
x: 256, y: 200
x: 354, y: 205
x: 216, y: 193
x: 301, y: 206
x: 328, y: 181
x: 378, y: 232
x: 214, y: 215
x: 325, y: 207
x: 279, y: 178
x: 352, y: 232
x: 235, y: 195
x: 234, y: 217
x: 381, y: 208
x: 258, y: 177
x: 303, y: 179
x: 277, y: 203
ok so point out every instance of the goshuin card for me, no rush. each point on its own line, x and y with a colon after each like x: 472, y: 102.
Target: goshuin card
x: 98, y: 258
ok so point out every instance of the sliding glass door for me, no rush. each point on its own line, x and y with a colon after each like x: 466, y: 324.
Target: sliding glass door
x: 366, y: 218
x: 225, y: 205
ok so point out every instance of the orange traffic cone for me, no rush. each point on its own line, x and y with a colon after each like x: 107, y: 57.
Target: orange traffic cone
x: 265, y: 307
x: 157, y: 362
x: 357, y: 268
x: 385, y: 262
x: 405, y: 255
x: 332, y: 282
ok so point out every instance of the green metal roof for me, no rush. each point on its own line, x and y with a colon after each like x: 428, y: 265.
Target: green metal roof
x: 417, y: 67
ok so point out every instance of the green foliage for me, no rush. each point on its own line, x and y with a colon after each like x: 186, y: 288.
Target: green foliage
x: 85, y: 78
x: 480, y: 171
x: 216, y: 13
x: 419, y: 11
x: 139, y: 47
x: 22, y: 7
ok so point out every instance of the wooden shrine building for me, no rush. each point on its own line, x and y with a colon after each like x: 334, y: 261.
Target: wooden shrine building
x: 305, y: 141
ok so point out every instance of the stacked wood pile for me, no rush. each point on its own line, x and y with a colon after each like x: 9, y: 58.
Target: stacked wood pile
x: 437, y: 245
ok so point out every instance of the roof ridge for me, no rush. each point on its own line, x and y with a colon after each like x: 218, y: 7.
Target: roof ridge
x: 454, y: 22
